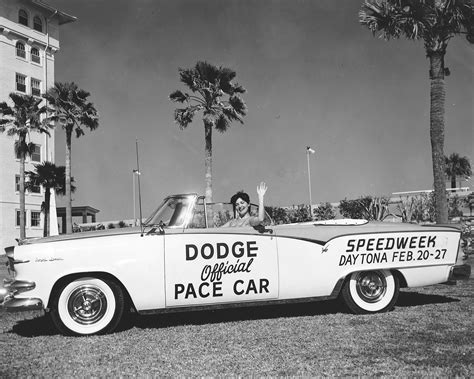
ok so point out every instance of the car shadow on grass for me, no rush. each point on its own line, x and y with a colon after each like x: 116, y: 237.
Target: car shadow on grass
x: 42, y: 324
x: 406, y: 299
x: 411, y: 299
x: 35, y: 327
x: 237, y: 314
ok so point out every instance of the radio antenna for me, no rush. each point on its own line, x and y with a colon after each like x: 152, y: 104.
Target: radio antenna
x: 139, y: 189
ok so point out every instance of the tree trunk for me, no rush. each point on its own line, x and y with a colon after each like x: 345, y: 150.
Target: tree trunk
x: 68, y: 183
x: 47, y: 199
x: 437, y: 97
x: 208, y: 159
x: 22, y: 197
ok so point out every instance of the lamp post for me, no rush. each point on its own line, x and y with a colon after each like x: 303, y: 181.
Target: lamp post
x: 309, y: 151
x: 134, y: 173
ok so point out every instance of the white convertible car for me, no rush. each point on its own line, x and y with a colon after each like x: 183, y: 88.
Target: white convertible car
x: 181, y: 259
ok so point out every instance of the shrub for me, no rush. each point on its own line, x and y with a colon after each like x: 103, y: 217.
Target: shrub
x: 279, y: 215
x: 324, y: 211
x: 111, y: 226
x: 376, y: 209
x: 407, y: 207
x: 354, y: 208
x: 454, y: 205
x: 469, y: 201
x: 300, y: 214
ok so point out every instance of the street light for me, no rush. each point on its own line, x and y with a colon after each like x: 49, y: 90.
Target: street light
x: 134, y: 173
x: 309, y: 151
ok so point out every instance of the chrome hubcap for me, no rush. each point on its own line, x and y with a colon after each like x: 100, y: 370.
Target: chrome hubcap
x: 371, y: 286
x: 87, y: 305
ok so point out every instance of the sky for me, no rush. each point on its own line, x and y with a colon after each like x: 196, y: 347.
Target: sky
x: 314, y: 77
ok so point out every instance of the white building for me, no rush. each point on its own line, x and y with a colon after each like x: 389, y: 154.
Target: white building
x: 29, y: 40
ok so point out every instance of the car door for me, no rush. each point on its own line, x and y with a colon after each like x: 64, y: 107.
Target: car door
x: 220, y: 265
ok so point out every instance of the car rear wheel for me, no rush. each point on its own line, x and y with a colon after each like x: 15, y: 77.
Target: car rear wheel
x: 371, y: 291
x: 87, y: 306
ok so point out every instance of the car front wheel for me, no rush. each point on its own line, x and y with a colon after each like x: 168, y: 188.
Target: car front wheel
x: 87, y: 306
x: 371, y: 291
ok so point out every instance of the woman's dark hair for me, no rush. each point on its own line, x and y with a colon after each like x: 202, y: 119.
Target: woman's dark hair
x: 240, y: 195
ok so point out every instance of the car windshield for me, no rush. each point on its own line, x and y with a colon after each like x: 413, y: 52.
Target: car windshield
x: 172, y: 212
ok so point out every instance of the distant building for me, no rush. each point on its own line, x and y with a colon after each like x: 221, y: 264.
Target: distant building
x: 29, y: 40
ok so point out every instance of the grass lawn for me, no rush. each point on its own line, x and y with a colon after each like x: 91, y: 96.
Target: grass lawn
x: 430, y: 333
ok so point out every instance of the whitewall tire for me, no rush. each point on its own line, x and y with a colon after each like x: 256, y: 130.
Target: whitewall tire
x: 87, y: 306
x: 371, y: 291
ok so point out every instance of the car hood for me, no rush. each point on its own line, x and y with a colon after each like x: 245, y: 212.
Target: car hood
x: 80, y: 235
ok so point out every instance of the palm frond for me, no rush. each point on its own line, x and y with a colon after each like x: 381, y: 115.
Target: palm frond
x: 239, y: 89
x: 226, y: 75
x: 184, y: 116
x: 238, y: 105
x: 225, y: 80
x: 179, y: 97
x: 79, y: 131
x: 187, y: 76
x: 222, y: 123
x: 207, y: 72
x: 231, y: 114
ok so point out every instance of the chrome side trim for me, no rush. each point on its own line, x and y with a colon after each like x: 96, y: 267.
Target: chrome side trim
x: 461, y: 272
x: 244, y: 304
x: 19, y: 305
x: 18, y: 261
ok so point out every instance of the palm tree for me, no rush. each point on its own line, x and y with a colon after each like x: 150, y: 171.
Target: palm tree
x: 49, y: 176
x: 457, y: 166
x: 209, y: 84
x: 436, y: 22
x: 19, y: 121
x: 73, y: 112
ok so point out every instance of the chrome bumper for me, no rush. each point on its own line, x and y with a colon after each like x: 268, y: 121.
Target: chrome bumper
x: 461, y: 272
x: 10, y: 303
x: 18, y: 305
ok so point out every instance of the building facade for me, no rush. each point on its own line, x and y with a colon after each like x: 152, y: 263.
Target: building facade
x: 29, y: 40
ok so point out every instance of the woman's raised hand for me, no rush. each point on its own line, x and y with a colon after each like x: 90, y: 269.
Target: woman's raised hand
x: 261, y: 189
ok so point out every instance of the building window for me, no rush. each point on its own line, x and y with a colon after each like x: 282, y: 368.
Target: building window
x: 35, y: 189
x: 35, y: 87
x: 35, y: 55
x: 20, y: 50
x: 21, y: 83
x: 36, y: 156
x: 23, y: 17
x: 35, y: 218
x: 37, y: 24
x: 17, y: 218
x: 17, y: 183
